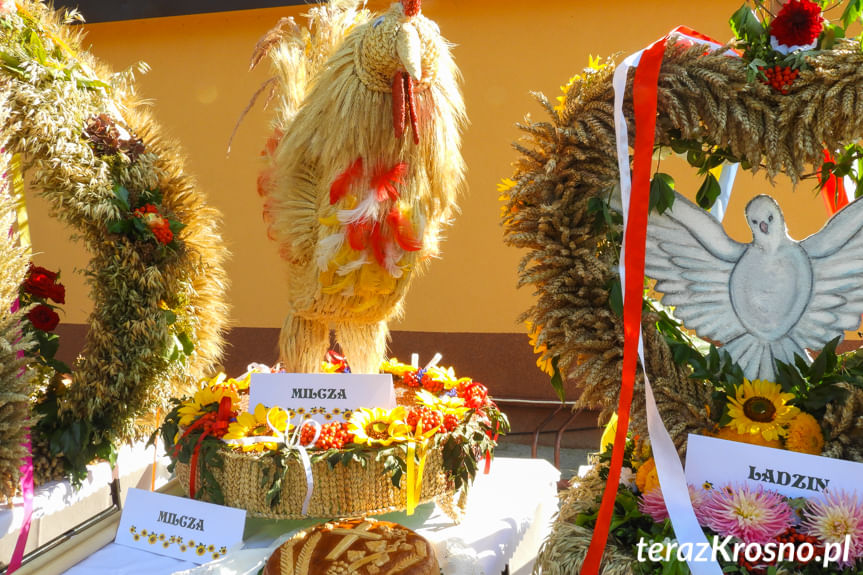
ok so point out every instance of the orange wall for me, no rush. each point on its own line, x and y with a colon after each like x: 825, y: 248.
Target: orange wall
x: 506, y: 49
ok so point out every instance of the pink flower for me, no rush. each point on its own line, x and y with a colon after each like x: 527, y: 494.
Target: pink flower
x: 752, y: 515
x: 652, y: 503
x: 832, y: 517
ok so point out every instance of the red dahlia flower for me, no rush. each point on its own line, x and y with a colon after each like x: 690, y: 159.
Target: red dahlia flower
x: 797, y: 25
x: 43, y: 317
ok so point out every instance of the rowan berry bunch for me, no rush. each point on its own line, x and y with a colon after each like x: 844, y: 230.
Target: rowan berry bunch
x: 779, y: 78
x: 430, y: 418
x: 333, y: 435
x: 450, y: 421
x: 414, y: 378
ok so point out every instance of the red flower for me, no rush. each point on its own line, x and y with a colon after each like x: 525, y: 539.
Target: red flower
x: 42, y: 283
x: 798, y: 23
x: 43, y: 317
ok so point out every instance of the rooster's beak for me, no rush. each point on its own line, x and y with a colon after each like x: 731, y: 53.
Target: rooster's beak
x: 409, y: 50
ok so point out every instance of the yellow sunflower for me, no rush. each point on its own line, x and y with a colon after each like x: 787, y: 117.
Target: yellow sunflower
x: 804, y: 435
x: 444, y: 404
x: 255, y: 424
x: 731, y: 434
x: 196, y: 407
x: 544, y: 362
x: 379, y: 426
x: 760, y: 407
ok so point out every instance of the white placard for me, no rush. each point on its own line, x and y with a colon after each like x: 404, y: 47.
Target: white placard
x: 178, y: 527
x: 320, y: 393
x: 721, y: 462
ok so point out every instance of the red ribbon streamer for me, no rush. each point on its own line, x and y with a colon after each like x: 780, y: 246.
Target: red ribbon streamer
x: 644, y: 96
x: 833, y: 190
x: 214, y: 423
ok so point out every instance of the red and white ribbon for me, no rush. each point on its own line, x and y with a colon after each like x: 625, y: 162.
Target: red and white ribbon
x: 635, y: 194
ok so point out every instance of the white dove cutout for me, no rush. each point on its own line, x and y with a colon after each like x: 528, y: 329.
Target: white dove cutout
x: 766, y: 300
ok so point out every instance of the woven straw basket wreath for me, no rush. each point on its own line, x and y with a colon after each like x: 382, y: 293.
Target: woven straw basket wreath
x: 570, y: 160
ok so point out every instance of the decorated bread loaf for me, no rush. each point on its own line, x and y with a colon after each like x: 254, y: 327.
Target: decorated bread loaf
x: 354, y: 546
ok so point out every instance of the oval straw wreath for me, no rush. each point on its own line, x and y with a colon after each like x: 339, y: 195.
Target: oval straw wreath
x: 155, y: 272
x: 558, y: 205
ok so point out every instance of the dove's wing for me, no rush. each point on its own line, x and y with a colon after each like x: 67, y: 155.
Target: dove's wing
x: 691, y: 258
x: 836, y: 253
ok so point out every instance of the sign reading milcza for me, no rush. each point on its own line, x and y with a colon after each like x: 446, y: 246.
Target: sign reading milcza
x: 321, y: 395
x: 720, y: 462
x: 179, y: 527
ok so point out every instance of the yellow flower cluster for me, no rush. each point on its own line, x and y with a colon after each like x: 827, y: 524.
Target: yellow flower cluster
x: 761, y: 415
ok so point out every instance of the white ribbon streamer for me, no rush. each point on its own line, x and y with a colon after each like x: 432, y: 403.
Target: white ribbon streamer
x: 291, y: 442
x: 672, y: 480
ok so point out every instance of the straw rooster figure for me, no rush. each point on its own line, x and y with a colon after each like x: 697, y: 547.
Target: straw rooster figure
x: 363, y: 170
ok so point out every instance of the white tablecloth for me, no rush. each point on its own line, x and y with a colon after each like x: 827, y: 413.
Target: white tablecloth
x: 508, y: 514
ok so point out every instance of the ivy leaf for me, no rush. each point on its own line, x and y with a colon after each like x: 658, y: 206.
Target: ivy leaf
x: 121, y: 227
x: 557, y: 379
x: 186, y: 343
x: 170, y: 316
x: 708, y: 192
x: 661, y: 193
x: 175, y: 226
x: 745, y: 25
x: 853, y: 12
x: 58, y: 366
x: 122, y: 195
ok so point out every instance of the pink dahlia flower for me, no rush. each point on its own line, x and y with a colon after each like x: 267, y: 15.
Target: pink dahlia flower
x: 753, y: 515
x: 833, y: 517
x: 652, y: 503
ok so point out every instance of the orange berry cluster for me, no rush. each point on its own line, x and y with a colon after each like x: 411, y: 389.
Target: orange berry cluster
x: 413, y: 378
x: 779, y: 78
x: 333, y: 435
x: 430, y: 418
x: 794, y: 536
x: 421, y: 378
x: 450, y: 421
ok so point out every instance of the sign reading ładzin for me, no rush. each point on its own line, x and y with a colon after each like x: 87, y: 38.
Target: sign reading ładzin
x: 720, y: 462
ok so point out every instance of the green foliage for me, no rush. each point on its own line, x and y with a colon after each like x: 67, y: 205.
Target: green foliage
x: 661, y: 193
x: 816, y: 385
x: 846, y: 162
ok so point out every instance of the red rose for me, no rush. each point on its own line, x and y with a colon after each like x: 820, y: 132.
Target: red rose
x: 43, y: 317
x: 42, y: 283
x: 798, y: 23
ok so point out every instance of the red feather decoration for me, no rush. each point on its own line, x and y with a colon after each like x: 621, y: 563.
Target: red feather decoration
x: 357, y: 233
x: 385, y: 183
x: 342, y: 184
x: 377, y: 241
x: 403, y: 231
